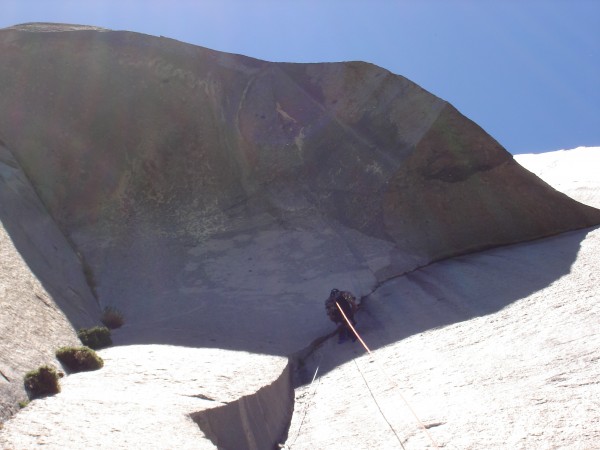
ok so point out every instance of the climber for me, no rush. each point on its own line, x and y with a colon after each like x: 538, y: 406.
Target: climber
x: 348, y: 304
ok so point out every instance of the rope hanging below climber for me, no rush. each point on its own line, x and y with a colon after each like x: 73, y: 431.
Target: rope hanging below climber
x: 350, y: 325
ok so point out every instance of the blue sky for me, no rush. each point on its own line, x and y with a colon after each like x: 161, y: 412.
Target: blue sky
x: 527, y: 71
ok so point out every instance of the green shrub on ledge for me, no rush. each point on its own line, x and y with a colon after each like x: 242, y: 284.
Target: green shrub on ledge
x: 42, y: 382
x: 79, y: 359
x: 96, y: 337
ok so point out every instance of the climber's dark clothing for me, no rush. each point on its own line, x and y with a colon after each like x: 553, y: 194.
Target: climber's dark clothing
x: 347, y: 303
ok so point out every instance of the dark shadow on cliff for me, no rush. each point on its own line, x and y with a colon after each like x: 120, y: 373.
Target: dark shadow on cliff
x: 252, y: 290
x: 448, y: 292
x: 443, y: 293
x: 181, y: 295
x: 200, y: 188
x: 41, y: 244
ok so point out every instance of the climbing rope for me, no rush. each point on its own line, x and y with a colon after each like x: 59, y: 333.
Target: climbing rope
x: 379, y: 407
x: 435, y: 444
x: 306, y: 407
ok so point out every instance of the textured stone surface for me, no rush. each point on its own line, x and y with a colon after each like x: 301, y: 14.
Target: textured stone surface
x: 153, y: 397
x: 510, y: 358
x: 191, y: 179
x: 44, y: 296
x: 574, y: 172
x: 216, y: 199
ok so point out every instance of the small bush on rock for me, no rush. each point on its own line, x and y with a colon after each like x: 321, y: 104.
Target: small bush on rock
x: 42, y: 382
x: 79, y: 359
x: 112, y: 317
x: 96, y: 337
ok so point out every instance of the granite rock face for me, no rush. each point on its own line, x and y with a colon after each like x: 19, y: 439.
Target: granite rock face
x: 216, y: 199
x: 488, y: 350
x: 573, y: 172
x: 524, y: 376
x: 119, y: 130
x: 44, y: 296
x: 156, y: 396
x: 188, y: 178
